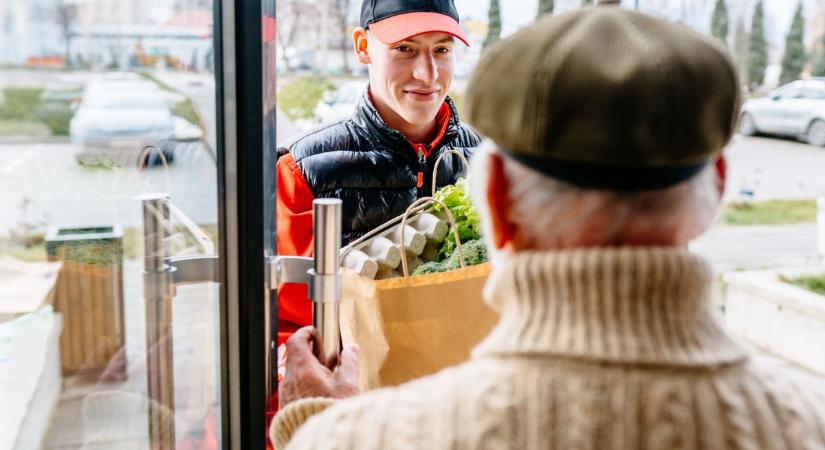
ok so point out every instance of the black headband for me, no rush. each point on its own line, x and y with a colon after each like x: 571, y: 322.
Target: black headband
x: 609, y: 176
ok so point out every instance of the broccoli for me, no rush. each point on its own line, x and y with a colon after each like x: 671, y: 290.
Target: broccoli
x: 475, y: 252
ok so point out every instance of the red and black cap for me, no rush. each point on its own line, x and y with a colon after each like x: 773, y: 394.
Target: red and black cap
x: 393, y: 21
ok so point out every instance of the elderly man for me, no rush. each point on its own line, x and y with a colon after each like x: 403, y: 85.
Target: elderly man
x: 606, y: 129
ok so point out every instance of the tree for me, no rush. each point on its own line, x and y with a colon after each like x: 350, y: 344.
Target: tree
x: 757, y: 60
x: 793, y: 61
x: 819, y: 62
x: 340, y: 10
x: 289, y: 13
x: 740, y: 48
x: 545, y: 7
x: 587, y: 2
x: 66, y: 16
x: 494, y: 26
x: 719, y: 21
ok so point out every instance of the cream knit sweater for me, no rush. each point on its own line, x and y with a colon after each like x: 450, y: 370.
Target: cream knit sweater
x: 595, y: 349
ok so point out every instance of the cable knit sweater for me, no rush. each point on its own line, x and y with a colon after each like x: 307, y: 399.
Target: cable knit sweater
x: 595, y: 349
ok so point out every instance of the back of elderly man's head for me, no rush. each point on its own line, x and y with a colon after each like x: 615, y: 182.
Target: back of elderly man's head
x: 606, y: 123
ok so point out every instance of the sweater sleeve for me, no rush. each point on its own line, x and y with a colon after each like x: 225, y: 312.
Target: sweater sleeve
x: 293, y: 416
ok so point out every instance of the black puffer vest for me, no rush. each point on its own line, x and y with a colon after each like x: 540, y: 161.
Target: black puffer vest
x: 372, y: 168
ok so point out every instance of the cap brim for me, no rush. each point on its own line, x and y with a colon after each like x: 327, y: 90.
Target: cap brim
x: 404, y: 26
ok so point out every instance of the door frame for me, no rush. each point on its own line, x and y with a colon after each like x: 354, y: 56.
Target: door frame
x: 239, y: 106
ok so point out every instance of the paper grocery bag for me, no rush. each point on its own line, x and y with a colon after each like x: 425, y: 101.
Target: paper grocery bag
x: 411, y: 327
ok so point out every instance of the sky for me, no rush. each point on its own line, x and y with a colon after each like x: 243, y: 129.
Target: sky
x: 696, y: 13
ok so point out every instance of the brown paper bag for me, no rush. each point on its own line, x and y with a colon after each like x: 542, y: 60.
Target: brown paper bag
x: 411, y: 327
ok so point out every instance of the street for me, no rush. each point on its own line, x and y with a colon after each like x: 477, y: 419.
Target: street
x: 60, y: 192
x: 774, y: 168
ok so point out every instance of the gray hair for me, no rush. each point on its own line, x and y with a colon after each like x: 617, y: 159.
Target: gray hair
x: 545, y: 209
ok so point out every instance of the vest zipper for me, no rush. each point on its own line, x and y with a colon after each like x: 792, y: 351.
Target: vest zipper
x: 422, y: 166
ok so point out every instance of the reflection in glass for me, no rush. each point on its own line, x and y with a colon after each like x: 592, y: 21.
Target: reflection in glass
x: 101, y: 103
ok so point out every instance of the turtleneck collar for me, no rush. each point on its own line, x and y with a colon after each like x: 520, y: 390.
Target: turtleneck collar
x: 614, y: 306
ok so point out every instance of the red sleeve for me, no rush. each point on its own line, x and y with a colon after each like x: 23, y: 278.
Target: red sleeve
x: 294, y: 224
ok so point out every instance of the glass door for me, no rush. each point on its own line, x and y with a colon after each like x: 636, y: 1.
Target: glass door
x: 128, y: 317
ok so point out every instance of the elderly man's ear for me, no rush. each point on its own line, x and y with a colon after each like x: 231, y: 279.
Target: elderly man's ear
x: 498, y: 192
x: 721, y: 168
x: 360, y: 43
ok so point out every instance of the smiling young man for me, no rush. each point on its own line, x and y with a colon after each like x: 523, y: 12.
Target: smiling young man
x: 381, y: 159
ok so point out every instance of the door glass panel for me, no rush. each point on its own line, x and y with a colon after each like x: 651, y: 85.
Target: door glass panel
x: 101, y: 103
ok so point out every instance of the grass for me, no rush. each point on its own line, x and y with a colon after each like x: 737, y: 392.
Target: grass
x: 184, y: 108
x: 300, y: 96
x: 23, y: 112
x: 20, y: 103
x: 770, y: 212
x: 815, y: 284
x: 187, y: 110
x: 35, y: 253
x: 33, y: 247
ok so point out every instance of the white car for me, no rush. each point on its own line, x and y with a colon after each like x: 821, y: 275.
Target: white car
x: 118, y: 119
x: 341, y: 103
x: 796, y: 109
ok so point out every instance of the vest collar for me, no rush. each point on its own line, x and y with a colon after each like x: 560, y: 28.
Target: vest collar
x: 367, y: 117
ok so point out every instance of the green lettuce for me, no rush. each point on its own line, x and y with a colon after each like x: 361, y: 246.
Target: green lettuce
x: 466, y: 217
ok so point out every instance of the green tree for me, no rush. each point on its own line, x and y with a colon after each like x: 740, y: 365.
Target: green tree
x: 587, y: 2
x: 757, y: 60
x: 494, y: 26
x: 793, y: 61
x: 740, y: 48
x: 819, y: 61
x: 545, y: 7
x: 719, y: 21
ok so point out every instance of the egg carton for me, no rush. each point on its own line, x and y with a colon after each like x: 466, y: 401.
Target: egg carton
x: 377, y: 255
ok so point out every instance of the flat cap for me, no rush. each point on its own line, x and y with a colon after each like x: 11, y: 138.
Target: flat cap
x: 605, y: 97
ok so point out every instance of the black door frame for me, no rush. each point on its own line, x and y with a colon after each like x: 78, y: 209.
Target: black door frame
x: 238, y: 71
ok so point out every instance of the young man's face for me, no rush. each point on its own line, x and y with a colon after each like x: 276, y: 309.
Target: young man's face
x: 412, y: 77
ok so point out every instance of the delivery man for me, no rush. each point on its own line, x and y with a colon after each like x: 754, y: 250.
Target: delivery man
x: 381, y: 159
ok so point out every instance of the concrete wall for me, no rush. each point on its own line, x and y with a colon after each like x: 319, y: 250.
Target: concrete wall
x: 779, y: 317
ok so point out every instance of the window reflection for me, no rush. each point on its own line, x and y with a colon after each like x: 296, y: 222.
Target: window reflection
x: 101, y: 102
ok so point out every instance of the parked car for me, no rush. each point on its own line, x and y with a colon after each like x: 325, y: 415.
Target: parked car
x: 796, y: 109
x: 118, y: 119
x: 340, y: 104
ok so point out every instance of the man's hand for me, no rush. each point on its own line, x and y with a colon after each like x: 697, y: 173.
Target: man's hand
x: 306, y: 377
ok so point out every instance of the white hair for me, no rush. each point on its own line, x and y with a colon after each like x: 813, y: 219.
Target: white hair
x: 545, y: 209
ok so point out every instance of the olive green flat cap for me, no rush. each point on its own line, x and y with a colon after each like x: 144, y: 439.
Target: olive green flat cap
x: 606, y: 97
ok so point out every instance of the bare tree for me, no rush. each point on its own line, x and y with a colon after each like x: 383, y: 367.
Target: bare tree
x: 340, y: 11
x: 289, y: 13
x: 66, y: 16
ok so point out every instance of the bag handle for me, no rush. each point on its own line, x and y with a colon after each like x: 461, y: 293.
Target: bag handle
x: 438, y: 161
x: 416, y: 204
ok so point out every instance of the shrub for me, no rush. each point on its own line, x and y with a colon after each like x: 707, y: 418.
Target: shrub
x: 299, y: 98
x: 57, y: 118
x: 20, y: 103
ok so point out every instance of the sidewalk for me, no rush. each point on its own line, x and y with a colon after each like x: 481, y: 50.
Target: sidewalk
x: 758, y: 247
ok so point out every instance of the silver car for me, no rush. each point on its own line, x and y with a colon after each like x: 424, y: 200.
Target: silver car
x: 116, y: 120
x: 796, y: 109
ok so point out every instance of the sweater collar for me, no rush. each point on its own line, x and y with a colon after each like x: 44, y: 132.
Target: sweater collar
x: 619, y: 305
